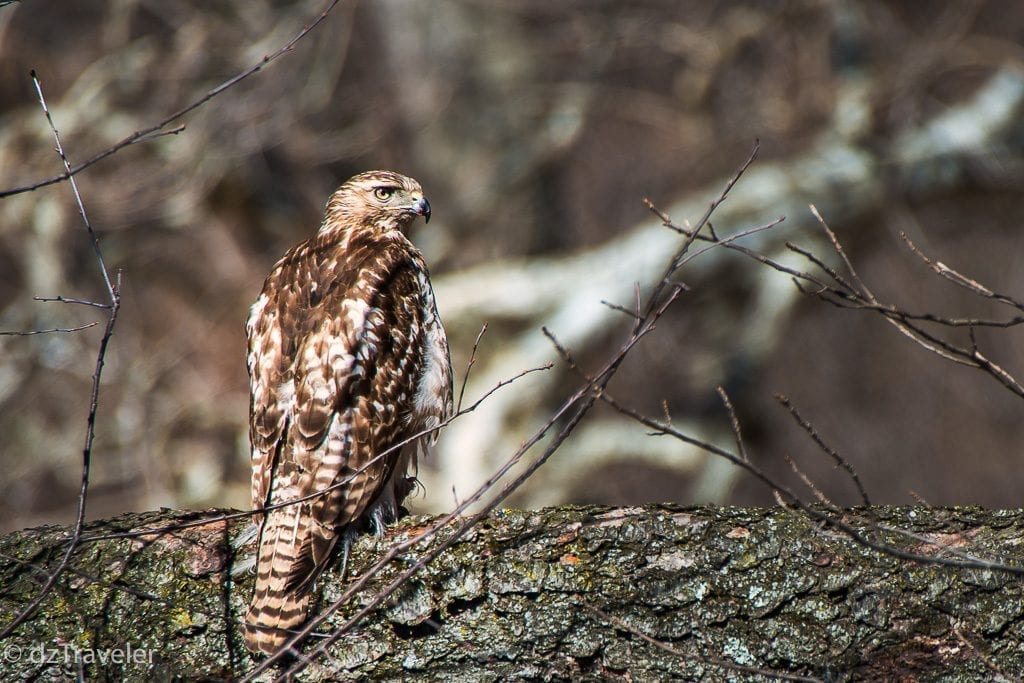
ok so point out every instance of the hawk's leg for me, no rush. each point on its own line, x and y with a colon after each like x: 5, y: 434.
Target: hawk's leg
x: 382, y: 513
x: 387, y: 508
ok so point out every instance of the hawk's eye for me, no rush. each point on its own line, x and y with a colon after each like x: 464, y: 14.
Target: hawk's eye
x: 383, y: 193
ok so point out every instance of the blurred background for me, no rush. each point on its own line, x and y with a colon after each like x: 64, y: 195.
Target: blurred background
x: 536, y: 128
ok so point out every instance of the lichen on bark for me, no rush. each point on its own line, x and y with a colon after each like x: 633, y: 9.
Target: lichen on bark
x: 765, y: 588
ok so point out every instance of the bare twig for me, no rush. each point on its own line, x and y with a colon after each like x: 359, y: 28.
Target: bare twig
x: 29, y: 333
x: 114, y: 291
x: 621, y: 309
x: 157, y: 129
x: 832, y: 453
x: 790, y: 499
x: 74, y: 188
x: 957, y: 278
x: 469, y: 366
x: 846, y: 295
x: 70, y: 300
x: 809, y: 483
x: 692, y: 234
x: 734, y: 421
x: 842, y: 254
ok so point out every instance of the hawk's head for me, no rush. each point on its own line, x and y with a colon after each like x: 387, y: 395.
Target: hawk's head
x: 382, y: 199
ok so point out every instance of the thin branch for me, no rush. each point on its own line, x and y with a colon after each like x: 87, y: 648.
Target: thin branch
x: 158, y: 128
x: 563, y: 352
x: 621, y: 309
x: 846, y: 295
x: 71, y: 300
x: 469, y: 366
x: 83, y: 490
x: 809, y: 483
x: 728, y: 241
x: 842, y: 254
x: 74, y: 188
x: 832, y: 453
x: 691, y: 235
x: 637, y: 306
x: 849, y: 296
x: 114, y: 290
x: 50, y: 331
x: 962, y: 280
x: 734, y: 422
x: 848, y: 290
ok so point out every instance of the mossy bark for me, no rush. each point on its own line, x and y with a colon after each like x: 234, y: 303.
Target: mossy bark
x: 763, y: 588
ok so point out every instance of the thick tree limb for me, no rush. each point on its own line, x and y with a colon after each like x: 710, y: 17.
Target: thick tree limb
x: 617, y: 593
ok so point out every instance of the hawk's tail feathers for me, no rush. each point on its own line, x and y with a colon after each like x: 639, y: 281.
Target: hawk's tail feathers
x: 276, y: 610
x: 268, y: 627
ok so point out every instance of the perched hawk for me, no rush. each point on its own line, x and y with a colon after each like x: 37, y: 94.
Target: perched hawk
x: 347, y: 358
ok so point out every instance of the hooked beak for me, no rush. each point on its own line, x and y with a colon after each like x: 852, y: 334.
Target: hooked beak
x: 421, y: 207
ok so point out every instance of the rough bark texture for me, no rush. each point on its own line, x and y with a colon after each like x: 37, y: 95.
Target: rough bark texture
x: 758, y: 587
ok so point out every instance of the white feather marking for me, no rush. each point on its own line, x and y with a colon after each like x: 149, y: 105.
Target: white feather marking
x: 433, y: 384
x: 355, y: 311
x: 338, y: 356
x: 256, y: 310
x: 285, y: 393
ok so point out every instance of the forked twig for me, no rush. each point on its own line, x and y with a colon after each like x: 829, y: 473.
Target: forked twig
x: 832, y: 453
x: 114, y: 291
x: 469, y: 366
x: 842, y: 254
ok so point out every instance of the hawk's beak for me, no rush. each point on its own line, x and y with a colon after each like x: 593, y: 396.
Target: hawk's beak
x: 421, y: 207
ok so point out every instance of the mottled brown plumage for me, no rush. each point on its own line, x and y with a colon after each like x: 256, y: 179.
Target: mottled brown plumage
x: 347, y: 357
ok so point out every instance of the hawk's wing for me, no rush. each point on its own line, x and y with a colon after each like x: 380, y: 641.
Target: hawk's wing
x: 336, y: 350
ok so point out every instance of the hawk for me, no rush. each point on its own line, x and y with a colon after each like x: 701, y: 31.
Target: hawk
x: 347, y: 361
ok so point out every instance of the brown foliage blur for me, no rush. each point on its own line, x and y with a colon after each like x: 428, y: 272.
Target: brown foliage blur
x: 536, y: 128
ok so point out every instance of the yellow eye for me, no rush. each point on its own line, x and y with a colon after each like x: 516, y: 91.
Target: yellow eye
x: 383, y: 193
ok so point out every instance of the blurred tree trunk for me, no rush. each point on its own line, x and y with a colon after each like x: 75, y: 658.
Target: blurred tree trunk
x: 762, y: 588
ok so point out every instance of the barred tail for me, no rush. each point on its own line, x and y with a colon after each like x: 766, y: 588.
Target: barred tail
x: 277, y: 607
